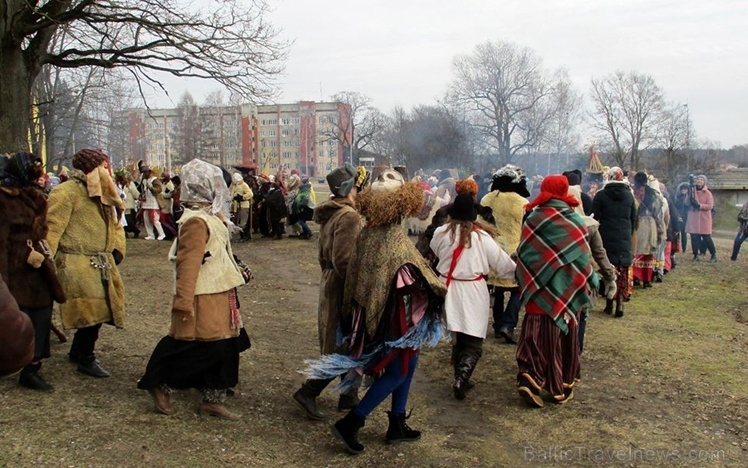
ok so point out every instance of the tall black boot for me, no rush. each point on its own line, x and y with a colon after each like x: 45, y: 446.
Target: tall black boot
x: 346, y: 430
x: 619, y: 307
x: 608, y: 306
x: 399, y: 431
x: 463, y: 371
x: 30, y: 378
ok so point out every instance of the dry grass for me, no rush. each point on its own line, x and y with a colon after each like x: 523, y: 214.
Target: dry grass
x: 670, y: 376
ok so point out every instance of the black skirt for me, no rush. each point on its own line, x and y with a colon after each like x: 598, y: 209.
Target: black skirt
x: 195, y: 364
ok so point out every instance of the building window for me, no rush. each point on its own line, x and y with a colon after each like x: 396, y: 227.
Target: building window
x: 285, y: 121
x: 272, y: 133
x: 285, y: 132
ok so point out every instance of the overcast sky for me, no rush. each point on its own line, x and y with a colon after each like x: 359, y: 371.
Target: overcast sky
x: 399, y: 52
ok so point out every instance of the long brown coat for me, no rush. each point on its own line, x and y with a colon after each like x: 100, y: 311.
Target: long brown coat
x: 204, y: 317
x: 24, y: 219
x: 340, y: 224
x: 82, y: 232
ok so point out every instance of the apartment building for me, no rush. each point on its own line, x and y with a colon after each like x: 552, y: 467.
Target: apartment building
x: 307, y: 136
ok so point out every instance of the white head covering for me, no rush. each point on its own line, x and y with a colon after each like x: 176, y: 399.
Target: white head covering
x: 203, y: 182
x: 237, y: 178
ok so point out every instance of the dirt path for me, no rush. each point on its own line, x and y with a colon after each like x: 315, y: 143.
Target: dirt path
x: 668, y: 379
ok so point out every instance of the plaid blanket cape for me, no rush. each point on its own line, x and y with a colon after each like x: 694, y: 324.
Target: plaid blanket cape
x: 554, y: 263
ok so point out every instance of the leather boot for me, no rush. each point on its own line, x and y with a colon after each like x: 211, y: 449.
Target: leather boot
x: 608, y: 306
x: 89, y: 365
x: 399, y: 431
x: 161, y: 401
x: 346, y: 430
x: 30, y: 378
x: 463, y: 371
x: 306, y: 397
x: 218, y: 410
x: 619, y: 307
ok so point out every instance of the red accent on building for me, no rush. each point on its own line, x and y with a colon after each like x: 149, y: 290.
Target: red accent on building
x: 308, y: 137
x: 249, y: 137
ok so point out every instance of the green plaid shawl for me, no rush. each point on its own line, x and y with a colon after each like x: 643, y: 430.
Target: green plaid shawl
x: 554, y: 262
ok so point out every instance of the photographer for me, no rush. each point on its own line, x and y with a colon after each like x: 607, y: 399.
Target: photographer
x: 699, y: 223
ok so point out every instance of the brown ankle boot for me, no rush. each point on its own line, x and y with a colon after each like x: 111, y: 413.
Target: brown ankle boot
x: 161, y: 401
x: 218, y: 410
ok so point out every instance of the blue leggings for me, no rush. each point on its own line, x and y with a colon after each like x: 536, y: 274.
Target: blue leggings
x: 390, y: 382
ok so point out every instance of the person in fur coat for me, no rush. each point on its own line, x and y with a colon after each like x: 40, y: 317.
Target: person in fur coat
x: 25, y: 259
x: 88, y: 242
x: 507, y: 201
x: 340, y: 225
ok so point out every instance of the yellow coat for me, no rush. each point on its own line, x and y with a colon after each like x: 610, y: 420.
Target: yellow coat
x: 81, y: 234
x: 508, y: 210
x: 245, y: 192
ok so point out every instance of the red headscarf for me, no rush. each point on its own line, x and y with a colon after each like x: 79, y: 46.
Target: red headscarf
x: 553, y: 187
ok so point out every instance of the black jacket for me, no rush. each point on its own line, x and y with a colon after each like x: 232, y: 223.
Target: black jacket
x: 614, y: 208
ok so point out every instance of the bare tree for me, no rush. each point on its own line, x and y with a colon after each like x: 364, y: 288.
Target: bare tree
x: 506, y: 96
x: 226, y: 41
x: 674, y: 134
x: 561, y: 136
x: 359, y: 124
x: 627, y: 110
x: 187, y: 136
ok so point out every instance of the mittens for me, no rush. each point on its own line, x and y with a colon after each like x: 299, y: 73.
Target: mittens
x: 610, y: 289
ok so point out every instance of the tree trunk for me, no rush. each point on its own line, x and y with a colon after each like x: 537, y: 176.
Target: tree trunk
x: 15, y: 96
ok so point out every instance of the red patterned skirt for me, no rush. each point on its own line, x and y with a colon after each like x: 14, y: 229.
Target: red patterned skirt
x: 546, y: 357
x: 644, y: 268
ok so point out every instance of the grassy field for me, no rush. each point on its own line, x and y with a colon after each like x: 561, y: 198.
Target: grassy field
x: 666, y: 385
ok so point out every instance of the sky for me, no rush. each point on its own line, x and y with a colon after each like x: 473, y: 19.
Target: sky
x: 399, y: 53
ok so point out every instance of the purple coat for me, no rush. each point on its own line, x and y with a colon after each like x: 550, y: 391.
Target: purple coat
x: 700, y: 221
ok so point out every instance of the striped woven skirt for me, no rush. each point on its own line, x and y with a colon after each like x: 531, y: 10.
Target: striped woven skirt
x: 547, y: 357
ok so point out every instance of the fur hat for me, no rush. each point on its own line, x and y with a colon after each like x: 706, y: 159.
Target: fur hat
x: 89, y: 159
x: 463, y: 208
x: 510, y: 178
x: 468, y: 186
x: 574, y: 177
x: 341, y: 180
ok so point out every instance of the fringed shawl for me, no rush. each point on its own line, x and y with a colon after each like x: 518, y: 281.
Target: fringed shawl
x: 378, y: 255
x: 554, y: 261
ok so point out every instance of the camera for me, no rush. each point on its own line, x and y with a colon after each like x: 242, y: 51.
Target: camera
x: 691, y: 179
